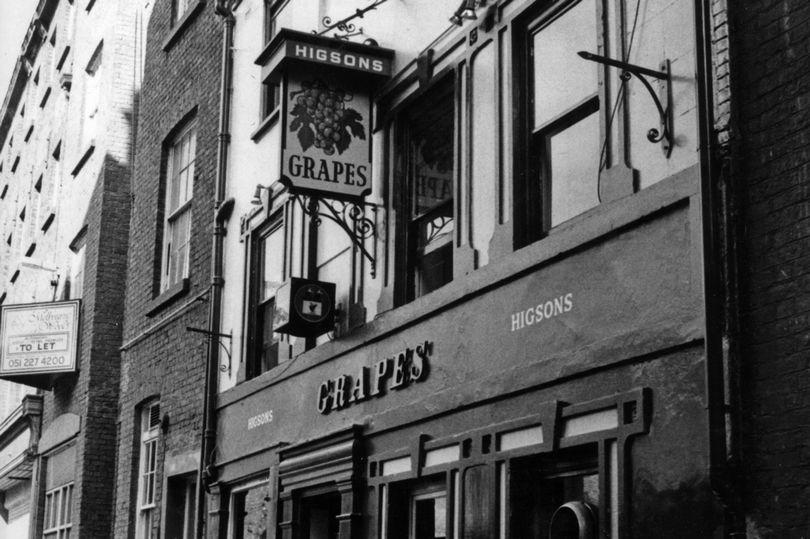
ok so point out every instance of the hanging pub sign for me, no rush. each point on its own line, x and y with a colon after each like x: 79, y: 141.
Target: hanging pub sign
x: 326, y: 107
x: 304, y: 308
x: 38, y: 340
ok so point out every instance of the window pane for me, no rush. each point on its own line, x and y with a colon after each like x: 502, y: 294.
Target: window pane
x: 63, y: 508
x: 47, y: 508
x: 430, y: 516
x: 431, y: 167
x: 540, y: 486
x: 69, y: 517
x: 562, y: 79
x: 250, y: 512
x: 574, y: 169
x: 269, y: 340
x: 272, y: 263
x: 432, y: 157
x: 179, y: 233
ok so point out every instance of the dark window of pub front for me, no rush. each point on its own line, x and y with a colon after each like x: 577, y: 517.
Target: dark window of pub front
x: 267, y: 274
x: 541, y: 485
x: 319, y: 516
x: 250, y: 510
x: 418, y: 509
x: 560, y: 128
x: 427, y: 162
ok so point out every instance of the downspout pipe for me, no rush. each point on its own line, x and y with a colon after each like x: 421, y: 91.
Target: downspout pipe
x: 206, y: 471
x: 716, y: 290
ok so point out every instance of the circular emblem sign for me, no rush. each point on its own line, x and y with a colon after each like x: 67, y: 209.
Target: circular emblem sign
x: 312, y: 303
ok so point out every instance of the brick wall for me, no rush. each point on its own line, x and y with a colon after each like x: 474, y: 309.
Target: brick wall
x: 103, y: 188
x: 770, y: 54
x: 160, y: 358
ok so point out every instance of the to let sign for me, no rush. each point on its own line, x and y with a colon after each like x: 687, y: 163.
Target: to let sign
x: 39, y: 338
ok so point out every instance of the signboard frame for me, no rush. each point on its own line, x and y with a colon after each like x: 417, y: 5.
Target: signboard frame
x: 327, y: 88
x: 39, y: 341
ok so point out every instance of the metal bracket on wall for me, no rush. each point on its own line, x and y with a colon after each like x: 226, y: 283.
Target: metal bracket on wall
x: 218, y: 336
x: 654, y: 135
x: 350, y: 216
x: 345, y: 25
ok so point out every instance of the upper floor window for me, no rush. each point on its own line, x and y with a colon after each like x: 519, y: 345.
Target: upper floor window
x: 147, y: 471
x: 267, y: 274
x: 271, y: 10
x: 179, y: 188
x: 92, y: 96
x: 427, y: 134
x: 271, y: 98
x: 561, y: 122
x: 179, y: 8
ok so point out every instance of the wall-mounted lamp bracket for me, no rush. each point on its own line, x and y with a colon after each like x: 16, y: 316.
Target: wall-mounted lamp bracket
x: 350, y: 215
x: 218, y: 336
x: 654, y: 135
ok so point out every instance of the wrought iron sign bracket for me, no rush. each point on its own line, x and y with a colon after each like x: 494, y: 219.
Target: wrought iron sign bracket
x: 218, y: 336
x: 349, y: 215
x: 654, y: 135
x: 345, y: 25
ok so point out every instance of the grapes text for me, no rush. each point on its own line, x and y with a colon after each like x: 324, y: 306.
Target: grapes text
x: 327, y: 171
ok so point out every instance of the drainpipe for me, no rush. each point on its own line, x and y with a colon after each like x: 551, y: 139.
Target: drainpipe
x: 718, y: 289
x: 206, y: 472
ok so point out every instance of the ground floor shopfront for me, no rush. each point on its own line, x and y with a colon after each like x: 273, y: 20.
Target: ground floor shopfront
x: 563, y: 388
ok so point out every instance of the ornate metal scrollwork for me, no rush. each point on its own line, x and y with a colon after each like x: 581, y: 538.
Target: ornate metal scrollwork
x: 349, y: 215
x: 345, y: 25
x: 223, y: 367
x: 435, y: 227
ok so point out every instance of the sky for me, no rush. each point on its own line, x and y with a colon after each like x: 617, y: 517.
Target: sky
x: 15, y: 16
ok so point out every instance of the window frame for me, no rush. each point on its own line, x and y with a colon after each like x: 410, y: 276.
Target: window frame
x: 62, y: 525
x: 241, y: 490
x: 148, y: 445
x: 269, y: 24
x: 270, y: 99
x: 532, y: 181
x: 258, y: 238
x: 184, y: 207
x: 500, y: 449
x: 177, y: 13
x: 406, y: 283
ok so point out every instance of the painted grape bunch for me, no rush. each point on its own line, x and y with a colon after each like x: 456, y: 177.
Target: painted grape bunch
x: 322, y: 118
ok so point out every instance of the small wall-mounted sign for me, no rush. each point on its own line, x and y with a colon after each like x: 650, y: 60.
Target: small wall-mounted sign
x: 38, y: 338
x: 304, y: 308
x: 405, y: 368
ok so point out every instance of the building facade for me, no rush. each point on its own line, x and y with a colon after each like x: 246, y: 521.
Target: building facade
x: 66, y: 137
x: 160, y: 415
x: 767, y: 172
x: 528, y: 304
x: 408, y: 269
